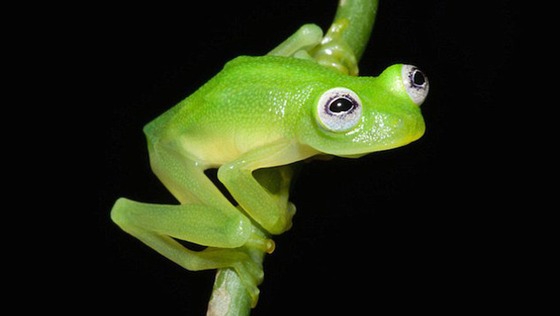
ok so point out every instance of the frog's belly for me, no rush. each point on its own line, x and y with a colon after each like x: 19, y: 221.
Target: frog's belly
x: 215, y: 151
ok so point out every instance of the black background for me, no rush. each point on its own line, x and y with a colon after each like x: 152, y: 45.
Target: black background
x: 410, y: 229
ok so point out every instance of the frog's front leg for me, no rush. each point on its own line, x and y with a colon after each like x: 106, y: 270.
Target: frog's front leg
x: 300, y: 43
x: 271, y: 210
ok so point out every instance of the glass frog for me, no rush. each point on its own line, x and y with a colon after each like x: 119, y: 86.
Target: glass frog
x: 252, y: 121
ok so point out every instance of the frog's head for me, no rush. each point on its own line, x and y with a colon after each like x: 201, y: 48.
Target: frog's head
x: 360, y: 115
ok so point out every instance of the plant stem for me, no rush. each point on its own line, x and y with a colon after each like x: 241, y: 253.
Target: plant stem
x: 359, y: 15
x: 229, y: 297
x: 345, y: 41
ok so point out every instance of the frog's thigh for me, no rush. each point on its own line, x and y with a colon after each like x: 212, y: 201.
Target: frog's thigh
x: 157, y: 226
x: 185, y: 177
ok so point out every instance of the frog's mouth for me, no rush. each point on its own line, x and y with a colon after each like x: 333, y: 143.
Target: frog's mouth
x: 377, y: 149
x: 384, y: 133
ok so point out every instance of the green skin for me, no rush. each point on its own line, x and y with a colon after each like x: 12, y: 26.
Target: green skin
x: 252, y: 121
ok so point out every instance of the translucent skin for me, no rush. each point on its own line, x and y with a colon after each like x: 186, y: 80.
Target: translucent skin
x: 274, y: 99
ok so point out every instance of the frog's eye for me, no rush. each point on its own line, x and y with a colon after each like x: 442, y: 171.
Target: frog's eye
x: 416, y: 83
x: 339, y: 109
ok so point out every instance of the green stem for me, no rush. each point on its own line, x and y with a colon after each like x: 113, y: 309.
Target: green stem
x: 229, y: 296
x: 345, y: 42
x: 359, y: 16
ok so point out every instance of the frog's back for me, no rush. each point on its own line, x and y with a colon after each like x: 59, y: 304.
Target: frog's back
x: 250, y: 97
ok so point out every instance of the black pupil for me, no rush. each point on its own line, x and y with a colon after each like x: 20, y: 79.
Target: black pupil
x: 418, y: 78
x: 341, y: 105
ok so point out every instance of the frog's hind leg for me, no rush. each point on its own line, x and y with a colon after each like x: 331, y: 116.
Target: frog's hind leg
x: 161, y: 226
x: 204, y: 216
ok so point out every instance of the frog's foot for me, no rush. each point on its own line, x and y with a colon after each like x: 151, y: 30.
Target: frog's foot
x: 245, y: 261
x: 300, y: 43
x: 251, y: 275
x: 249, y: 271
x: 336, y: 55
